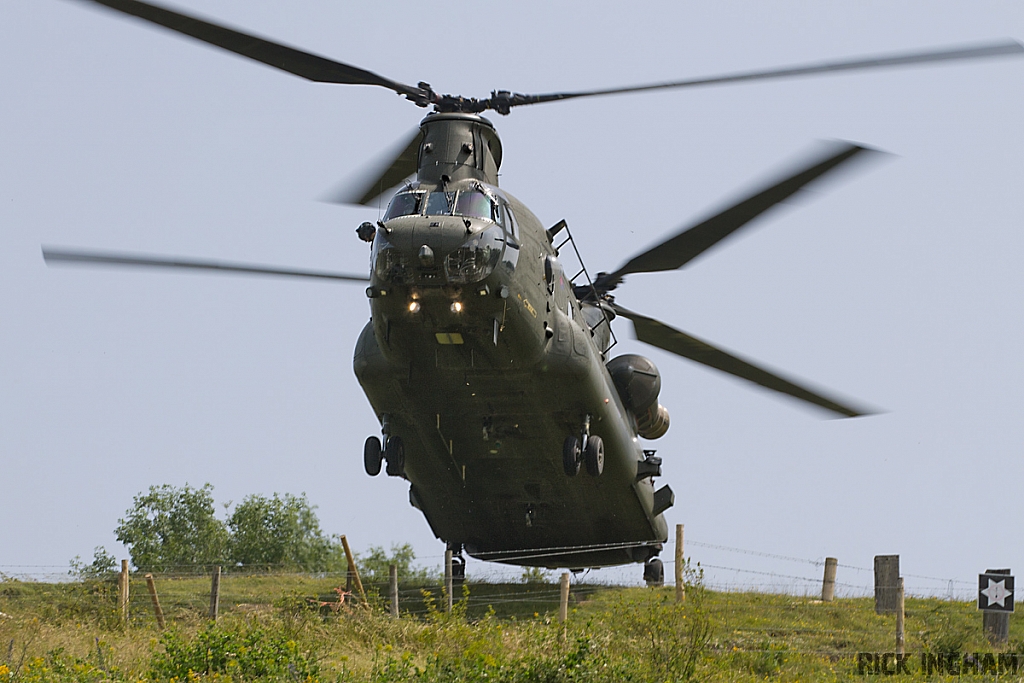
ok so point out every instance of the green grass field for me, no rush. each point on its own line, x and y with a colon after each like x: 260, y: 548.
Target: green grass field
x: 291, y: 628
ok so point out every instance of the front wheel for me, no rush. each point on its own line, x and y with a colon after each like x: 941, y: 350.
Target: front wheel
x: 372, y: 456
x: 593, y: 455
x: 394, y: 453
x: 571, y: 456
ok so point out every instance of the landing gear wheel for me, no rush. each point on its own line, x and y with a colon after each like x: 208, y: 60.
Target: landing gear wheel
x: 394, y: 453
x: 593, y: 455
x: 571, y: 456
x: 654, y: 573
x: 372, y: 456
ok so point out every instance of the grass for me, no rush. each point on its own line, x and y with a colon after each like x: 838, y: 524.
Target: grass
x: 290, y: 628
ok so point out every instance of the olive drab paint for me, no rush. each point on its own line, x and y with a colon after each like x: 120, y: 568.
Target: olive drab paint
x: 483, y: 422
x: 485, y: 363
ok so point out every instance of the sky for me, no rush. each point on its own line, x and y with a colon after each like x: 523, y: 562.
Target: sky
x: 896, y: 286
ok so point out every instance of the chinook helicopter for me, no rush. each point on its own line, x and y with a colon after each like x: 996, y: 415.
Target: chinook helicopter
x: 488, y: 358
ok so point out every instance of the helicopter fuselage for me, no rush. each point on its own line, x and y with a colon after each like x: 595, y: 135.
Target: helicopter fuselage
x: 480, y: 358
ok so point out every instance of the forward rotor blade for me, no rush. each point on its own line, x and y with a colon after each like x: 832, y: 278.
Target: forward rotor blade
x: 52, y: 255
x: 1002, y: 48
x: 659, y: 334
x: 391, y: 170
x: 687, y: 245
x: 292, y: 60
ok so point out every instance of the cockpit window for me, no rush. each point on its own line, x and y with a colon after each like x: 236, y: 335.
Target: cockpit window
x: 474, y: 204
x: 469, y: 203
x: 404, y: 204
x: 440, y: 203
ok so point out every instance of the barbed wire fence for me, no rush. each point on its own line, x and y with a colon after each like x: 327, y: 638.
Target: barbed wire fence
x: 739, y: 570
x: 754, y: 624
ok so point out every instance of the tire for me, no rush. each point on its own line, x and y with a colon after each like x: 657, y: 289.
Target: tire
x: 372, y: 456
x: 654, y: 572
x: 571, y: 456
x: 394, y: 453
x: 593, y: 455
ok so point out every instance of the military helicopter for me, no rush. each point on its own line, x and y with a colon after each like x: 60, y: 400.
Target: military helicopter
x: 487, y: 358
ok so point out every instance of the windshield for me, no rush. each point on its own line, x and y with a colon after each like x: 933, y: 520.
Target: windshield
x: 404, y: 204
x: 469, y: 203
x: 440, y: 203
x: 473, y: 204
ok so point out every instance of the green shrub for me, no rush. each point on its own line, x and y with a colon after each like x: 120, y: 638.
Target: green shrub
x: 242, y: 651
x: 58, y: 667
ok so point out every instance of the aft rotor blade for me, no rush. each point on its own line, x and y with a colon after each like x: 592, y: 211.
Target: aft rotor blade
x: 1002, y: 48
x: 687, y: 245
x: 52, y: 255
x: 659, y: 334
x: 391, y: 170
x: 292, y: 60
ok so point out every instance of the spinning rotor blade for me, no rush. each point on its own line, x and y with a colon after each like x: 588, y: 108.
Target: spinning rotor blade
x: 292, y: 60
x: 390, y: 171
x: 98, y: 258
x: 687, y: 245
x: 659, y: 334
x: 324, y: 70
x: 1001, y: 48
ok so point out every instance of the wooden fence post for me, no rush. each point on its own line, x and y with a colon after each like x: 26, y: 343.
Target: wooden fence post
x: 393, y: 580
x: 900, y: 618
x: 215, y: 593
x: 887, y: 573
x: 448, y: 579
x: 680, y: 565
x: 151, y: 585
x: 353, y: 570
x: 563, y: 603
x: 828, y: 582
x: 122, y: 592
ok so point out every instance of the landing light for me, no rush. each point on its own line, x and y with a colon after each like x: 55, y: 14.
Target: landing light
x: 414, y: 306
x: 456, y: 307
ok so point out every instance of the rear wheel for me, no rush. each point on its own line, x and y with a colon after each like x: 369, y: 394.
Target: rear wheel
x: 571, y: 456
x: 654, y: 572
x: 593, y: 455
x: 372, y: 456
x: 394, y: 453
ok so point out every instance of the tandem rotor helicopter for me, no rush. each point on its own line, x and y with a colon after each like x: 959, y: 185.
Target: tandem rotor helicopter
x: 488, y: 355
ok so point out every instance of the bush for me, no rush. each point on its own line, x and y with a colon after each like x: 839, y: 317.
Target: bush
x: 243, y: 652
x: 59, y: 667
x: 103, y: 566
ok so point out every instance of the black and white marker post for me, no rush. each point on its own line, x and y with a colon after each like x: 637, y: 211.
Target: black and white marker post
x: 995, y: 600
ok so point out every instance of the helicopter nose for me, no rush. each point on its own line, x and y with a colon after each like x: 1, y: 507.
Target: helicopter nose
x: 429, y: 239
x: 437, y: 251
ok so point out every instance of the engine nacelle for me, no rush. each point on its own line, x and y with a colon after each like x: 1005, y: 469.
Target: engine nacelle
x: 638, y: 384
x: 654, y: 423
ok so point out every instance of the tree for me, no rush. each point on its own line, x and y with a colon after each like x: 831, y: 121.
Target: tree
x: 103, y: 566
x: 173, y: 528
x: 373, y: 566
x: 283, y: 532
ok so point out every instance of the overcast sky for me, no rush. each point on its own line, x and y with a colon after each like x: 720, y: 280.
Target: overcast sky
x: 898, y: 285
